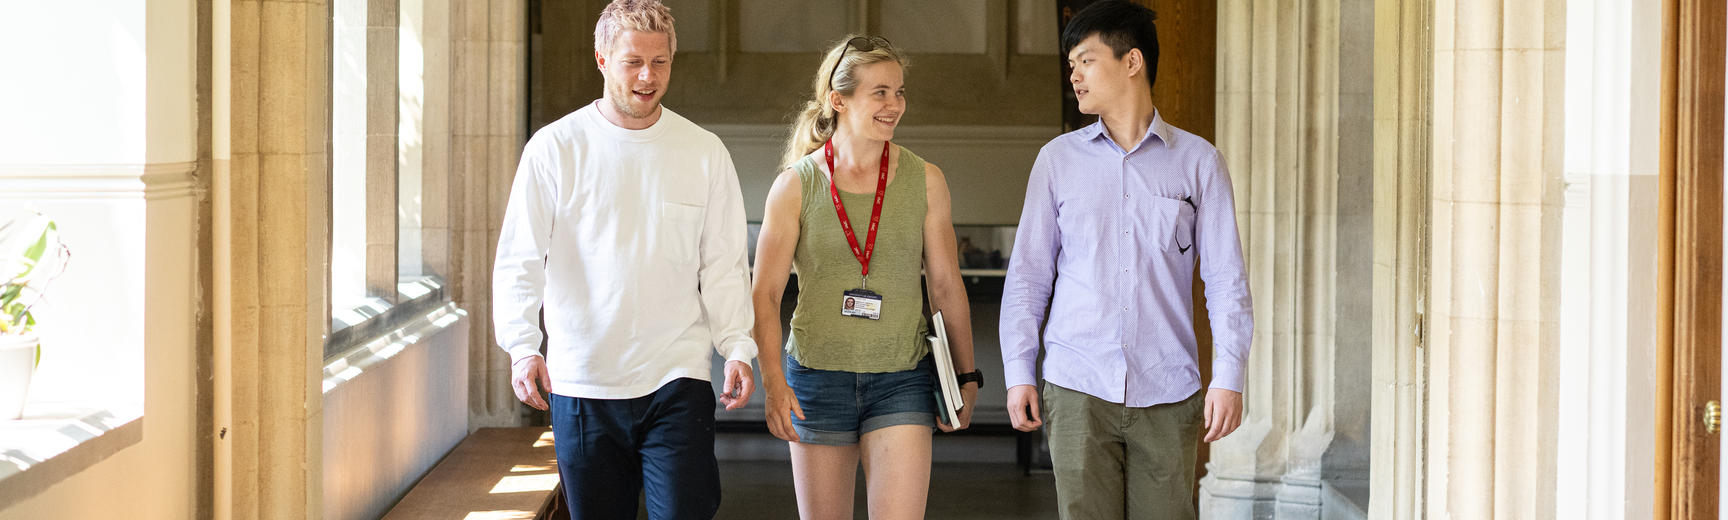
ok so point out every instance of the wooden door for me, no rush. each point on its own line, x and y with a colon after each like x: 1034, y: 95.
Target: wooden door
x: 1185, y: 92
x: 1186, y: 96
x: 1691, y: 257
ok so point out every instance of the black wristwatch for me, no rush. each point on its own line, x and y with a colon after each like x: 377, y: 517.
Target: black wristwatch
x: 975, y: 376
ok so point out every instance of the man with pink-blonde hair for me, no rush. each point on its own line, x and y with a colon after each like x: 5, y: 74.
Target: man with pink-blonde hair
x: 626, y: 228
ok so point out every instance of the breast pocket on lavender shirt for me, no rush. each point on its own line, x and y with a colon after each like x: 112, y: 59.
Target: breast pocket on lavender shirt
x: 1157, y: 223
x: 1184, y: 228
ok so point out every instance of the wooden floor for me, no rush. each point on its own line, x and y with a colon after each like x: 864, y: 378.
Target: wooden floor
x: 494, y: 474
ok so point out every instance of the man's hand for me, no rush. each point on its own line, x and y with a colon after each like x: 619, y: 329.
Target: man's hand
x: 528, y: 377
x: 1023, y: 408
x: 968, y: 401
x: 1223, y: 413
x: 735, y: 393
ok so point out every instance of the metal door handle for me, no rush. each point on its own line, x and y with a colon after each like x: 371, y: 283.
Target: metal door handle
x: 1712, y: 416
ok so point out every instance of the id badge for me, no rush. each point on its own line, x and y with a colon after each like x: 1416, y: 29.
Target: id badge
x: 861, y: 303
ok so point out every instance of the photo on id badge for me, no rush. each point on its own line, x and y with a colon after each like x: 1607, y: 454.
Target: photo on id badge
x: 861, y: 303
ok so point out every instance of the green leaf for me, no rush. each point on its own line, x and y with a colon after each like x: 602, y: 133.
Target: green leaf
x: 15, y: 309
x: 39, y: 236
x: 38, y: 355
x: 33, y: 254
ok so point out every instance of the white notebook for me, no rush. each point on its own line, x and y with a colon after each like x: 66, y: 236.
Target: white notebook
x: 947, y: 383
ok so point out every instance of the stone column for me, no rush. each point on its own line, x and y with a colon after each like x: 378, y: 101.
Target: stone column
x: 271, y: 200
x: 1496, y: 210
x: 487, y: 126
x: 436, y: 196
x: 1403, y: 51
x: 1345, y: 466
x: 383, y: 80
x: 1279, y: 127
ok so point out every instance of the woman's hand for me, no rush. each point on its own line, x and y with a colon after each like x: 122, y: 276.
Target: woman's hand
x: 969, y: 401
x: 782, y: 406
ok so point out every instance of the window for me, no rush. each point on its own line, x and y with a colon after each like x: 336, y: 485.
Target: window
x: 388, y: 79
x: 348, y: 158
x: 410, y: 140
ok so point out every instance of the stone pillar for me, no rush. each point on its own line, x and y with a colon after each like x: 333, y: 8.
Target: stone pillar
x: 436, y: 233
x: 1403, y: 51
x: 383, y: 80
x: 487, y: 126
x: 271, y: 200
x: 1281, y: 92
x: 1346, y: 460
x: 1496, y: 206
x: 1345, y: 465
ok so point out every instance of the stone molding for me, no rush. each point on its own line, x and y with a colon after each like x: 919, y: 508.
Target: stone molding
x: 150, y: 181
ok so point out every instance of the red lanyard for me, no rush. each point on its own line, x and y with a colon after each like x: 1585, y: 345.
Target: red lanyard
x: 863, y: 255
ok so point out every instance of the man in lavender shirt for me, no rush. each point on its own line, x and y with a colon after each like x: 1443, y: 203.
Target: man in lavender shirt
x: 1116, y: 216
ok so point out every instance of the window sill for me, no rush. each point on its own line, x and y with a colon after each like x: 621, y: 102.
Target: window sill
x: 54, y: 441
x: 354, y: 328
x: 358, y: 359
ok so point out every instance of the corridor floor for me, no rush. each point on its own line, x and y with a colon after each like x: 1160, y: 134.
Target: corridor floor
x: 762, y: 490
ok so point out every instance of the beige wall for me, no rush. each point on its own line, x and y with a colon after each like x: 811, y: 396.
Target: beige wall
x: 387, y: 427
x: 106, y: 123
x: 170, y: 112
x: 1608, y: 309
x: 719, y: 86
x: 156, y: 477
x: 125, y: 195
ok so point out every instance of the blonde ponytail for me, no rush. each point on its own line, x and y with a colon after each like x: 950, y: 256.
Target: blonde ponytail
x: 813, y: 126
x: 816, y: 122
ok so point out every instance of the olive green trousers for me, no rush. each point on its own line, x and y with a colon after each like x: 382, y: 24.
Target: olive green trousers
x: 1116, y: 462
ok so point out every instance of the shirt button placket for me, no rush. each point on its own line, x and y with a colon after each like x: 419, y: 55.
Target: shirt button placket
x: 1125, y: 255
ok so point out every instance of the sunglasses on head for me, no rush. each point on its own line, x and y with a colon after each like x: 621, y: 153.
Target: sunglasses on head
x: 863, y: 44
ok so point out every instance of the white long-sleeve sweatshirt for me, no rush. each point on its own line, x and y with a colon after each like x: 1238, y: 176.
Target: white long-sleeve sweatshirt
x: 634, y: 242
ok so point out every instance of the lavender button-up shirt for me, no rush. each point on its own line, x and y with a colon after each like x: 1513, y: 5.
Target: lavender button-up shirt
x: 1107, y: 245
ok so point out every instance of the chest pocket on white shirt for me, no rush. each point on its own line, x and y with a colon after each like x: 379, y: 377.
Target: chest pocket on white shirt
x: 680, y: 230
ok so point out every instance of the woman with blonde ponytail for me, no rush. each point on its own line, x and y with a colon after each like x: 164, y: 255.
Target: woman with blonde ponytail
x: 859, y: 217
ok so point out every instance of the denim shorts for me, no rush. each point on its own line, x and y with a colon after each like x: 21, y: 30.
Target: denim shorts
x: 840, y: 406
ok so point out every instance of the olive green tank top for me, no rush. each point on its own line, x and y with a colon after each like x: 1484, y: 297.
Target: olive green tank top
x: 821, y: 337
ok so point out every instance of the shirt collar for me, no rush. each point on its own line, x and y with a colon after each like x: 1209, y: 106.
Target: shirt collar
x: 1158, y: 129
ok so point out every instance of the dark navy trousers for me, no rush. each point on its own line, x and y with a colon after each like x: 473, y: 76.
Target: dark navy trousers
x: 611, y: 451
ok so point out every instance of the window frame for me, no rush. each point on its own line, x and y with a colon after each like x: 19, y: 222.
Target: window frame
x: 391, y: 301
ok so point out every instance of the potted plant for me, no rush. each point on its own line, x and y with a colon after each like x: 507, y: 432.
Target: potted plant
x: 31, y: 256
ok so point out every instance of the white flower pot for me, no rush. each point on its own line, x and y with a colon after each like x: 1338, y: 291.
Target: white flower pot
x: 17, y: 364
